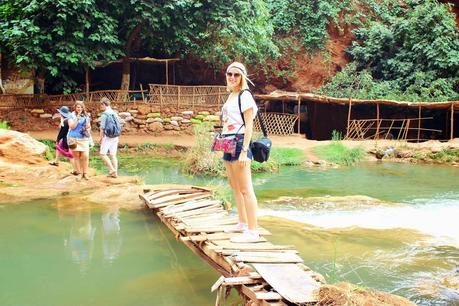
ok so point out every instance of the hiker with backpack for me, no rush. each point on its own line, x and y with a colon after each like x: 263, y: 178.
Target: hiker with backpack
x: 238, y: 114
x: 110, y: 130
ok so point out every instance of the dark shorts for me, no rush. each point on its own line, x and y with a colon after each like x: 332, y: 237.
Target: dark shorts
x: 231, y: 158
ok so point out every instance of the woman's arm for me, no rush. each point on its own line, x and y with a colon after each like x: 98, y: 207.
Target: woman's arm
x: 72, y: 122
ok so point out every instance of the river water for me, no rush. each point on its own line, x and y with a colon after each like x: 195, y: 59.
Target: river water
x: 391, y: 227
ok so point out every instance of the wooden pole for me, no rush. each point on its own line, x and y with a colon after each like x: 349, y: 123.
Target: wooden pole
x: 452, y: 121
x: 86, y: 75
x: 167, y: 72
x: 143, y: 96
x: 349, y: 115
x: 299, y: 118
x: 378, y: 123
x: 173, y: 73
x: 419, y: 122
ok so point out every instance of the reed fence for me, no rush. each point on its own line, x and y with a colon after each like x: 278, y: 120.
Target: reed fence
x: 398, y: 129
x: 277, y: 123
x: 187, y: 96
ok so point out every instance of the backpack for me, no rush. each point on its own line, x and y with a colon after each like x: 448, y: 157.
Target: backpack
x: 112, y: 125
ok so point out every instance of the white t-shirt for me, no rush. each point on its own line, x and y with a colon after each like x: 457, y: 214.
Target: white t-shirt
x: 231, y: 115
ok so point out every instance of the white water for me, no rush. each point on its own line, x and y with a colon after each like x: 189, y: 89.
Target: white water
x: 438, y: 217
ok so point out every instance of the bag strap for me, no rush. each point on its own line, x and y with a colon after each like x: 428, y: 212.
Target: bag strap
x: 262, y: 124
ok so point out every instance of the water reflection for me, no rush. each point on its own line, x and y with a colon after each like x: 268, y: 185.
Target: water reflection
x: 81, y: 225
x: 111, y: 234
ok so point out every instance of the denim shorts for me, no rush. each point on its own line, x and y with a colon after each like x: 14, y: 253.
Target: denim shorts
x: 231, y: 158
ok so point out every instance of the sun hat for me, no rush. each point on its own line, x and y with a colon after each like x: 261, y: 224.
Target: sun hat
x: 64, y: 111
x: 240, y: 67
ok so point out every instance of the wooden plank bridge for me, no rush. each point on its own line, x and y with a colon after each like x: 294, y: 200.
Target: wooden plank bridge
x: 262, y: 272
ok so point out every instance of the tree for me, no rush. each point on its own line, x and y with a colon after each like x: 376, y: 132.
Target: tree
x: 421, y: 41
x: 216, y: 31
x: 58, y: 38
x: 54, y: 38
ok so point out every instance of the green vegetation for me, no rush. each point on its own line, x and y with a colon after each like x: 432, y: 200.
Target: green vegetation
x: 50, y: 148
x: 408, y: 52
x: 59, y: 41
x: 200, y: 160
x: 444, y: 156
x: 4, y: 125
x: 337, y: 152
x: 307, y: 20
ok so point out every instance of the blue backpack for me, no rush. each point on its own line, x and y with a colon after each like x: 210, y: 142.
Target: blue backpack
x: 112, y: 125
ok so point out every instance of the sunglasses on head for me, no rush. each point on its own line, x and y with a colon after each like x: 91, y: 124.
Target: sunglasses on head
x: 230, y: 74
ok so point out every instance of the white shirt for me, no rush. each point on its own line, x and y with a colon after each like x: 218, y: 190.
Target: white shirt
x: 231, y: 115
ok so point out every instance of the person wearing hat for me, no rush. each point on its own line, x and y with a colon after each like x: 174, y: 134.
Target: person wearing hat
x: 62, y: 147
x: 238, y: 123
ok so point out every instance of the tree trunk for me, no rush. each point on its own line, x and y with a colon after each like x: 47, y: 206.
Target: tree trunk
x: 41, y: 82
x: 126, y: 77
x: 126, y: 63
x: 1, y: 82
x: 86, y: 78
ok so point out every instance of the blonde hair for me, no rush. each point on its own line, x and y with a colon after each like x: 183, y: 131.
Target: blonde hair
x: 81, y: 103
x: 243, y: 83
x: 105, y: 101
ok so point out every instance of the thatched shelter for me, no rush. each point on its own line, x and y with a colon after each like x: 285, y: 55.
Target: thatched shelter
x: 365, y: 119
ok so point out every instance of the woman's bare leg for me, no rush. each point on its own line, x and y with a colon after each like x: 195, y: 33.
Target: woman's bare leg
x: 243, y: 175
x: 236, y: 192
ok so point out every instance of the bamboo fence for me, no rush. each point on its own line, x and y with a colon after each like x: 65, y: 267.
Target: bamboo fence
x: 187, y: 96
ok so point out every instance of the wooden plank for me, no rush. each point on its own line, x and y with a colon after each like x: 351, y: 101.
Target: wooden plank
x: 197, y: 210
x: 180, y: 200
x: 191, y: 203
x: 226, y: 236
x: 217, y: 284
x: 203, y: 212
x: 241, y: 280
x: 172, y: 196
x: 290, y: 281
x: 189, y: 206
x: 163, y: 193
x: 267, y: 257
x: 259, y: 295
x: 203, y: 216
x: 225, y: 220
x: 226, y: 244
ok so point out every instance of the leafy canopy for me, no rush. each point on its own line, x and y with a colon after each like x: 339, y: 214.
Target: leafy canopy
x: 57, y: 38
x: 408, y: 53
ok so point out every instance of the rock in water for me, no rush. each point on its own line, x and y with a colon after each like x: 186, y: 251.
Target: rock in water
x: 18, y: 147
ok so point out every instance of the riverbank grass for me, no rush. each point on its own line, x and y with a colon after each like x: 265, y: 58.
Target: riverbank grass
x: 338, y: 153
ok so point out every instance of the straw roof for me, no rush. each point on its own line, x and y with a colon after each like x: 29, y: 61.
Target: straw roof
x: 309, y: 97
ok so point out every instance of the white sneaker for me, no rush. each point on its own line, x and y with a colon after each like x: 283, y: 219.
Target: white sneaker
x: 237, y: 228
x: 247, y: 236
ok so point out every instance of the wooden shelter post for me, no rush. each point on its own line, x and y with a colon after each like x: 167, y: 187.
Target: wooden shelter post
x: 419, y: 122
x: 378, y: 122
x: 86, y: 78
x: 299, y: 113
x: 452, y: 121
x: 349, y: 115
x: 167, y: 72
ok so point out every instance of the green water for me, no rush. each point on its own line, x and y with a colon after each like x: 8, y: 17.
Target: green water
x: 65, y: 253
x: 73, y: 254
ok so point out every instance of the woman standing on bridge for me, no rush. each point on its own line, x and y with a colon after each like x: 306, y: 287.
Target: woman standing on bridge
x: 238, y: 114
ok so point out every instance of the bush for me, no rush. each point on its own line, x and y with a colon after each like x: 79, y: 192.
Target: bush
x: 4, y: 125
x: 409, y: 53
x: 336, y: 152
